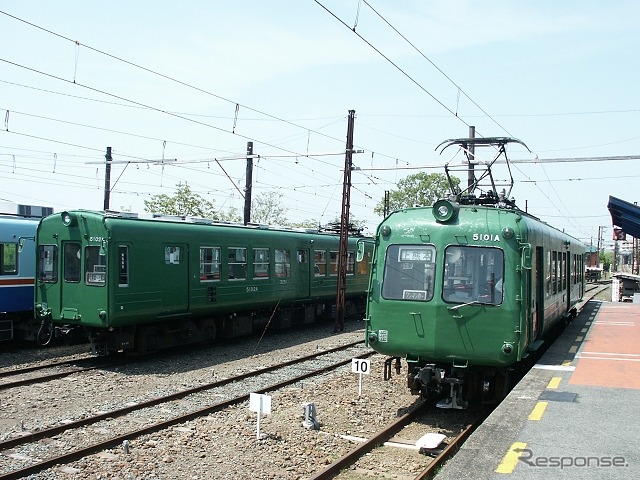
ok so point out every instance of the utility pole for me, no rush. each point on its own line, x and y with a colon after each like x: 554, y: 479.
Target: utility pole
x: 344, y: 226
x: 471, y: 177
x: 107, y: 180
x: 248, y: 182
x: 386, y: 208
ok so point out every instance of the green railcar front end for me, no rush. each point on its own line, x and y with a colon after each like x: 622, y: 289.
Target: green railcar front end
x: 465, y: 292
x: 441, y: 299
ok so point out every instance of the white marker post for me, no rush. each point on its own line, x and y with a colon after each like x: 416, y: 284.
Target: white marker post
x: 360, y: 366
x: 261, y: 404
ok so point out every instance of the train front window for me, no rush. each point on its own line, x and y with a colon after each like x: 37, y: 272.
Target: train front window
x: 71, y: 259
x: 409, y: 273
x: 473, y: 274
x: 48, y: 263
x: 94, y: 266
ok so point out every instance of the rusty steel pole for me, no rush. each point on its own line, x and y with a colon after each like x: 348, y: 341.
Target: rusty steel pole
x: 344, y: 226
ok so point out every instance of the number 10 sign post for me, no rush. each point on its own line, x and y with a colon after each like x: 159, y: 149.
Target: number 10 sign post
x: 360, y: 366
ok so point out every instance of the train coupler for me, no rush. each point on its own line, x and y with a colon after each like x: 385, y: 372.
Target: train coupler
x: 452, y: 401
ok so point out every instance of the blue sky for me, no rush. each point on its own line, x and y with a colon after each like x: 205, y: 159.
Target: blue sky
x: 560, y: 76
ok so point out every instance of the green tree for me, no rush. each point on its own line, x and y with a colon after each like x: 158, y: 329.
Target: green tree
x: 186, y: 202
x: 606, y: 258
x: 417, y: 189
x: 267, y: 208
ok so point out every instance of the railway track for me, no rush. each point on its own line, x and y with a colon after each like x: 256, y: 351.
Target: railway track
x: 23, y: 376
x: 255, y: 381
x: 380, y: 439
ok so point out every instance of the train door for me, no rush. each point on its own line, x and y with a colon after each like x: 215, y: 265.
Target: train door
x: 538, y: 313
x: 71, y: 288
x: 174, y: 278
x: 303, y: 273
x: 567, y: 279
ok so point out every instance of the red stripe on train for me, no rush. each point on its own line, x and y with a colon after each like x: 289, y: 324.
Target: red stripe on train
x: 8, y: 282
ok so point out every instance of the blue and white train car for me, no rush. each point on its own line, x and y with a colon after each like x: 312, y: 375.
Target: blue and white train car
x: 17, y: 270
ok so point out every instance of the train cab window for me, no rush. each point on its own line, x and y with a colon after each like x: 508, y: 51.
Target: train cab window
x: 237, y: 263
x: 209, y: 263
x: 260, y: 263
x: 172, y: 255
x: 283, y: 263
x: 8, y: 258
x: 333, y: 263
x: 362, y: 267
x: 71, y: 261
x: 320, y: 263
x: 123, y: 266
x: 95, y: 270
x: 473, y: 274
x: 48, y: 263
x: 409, y: 272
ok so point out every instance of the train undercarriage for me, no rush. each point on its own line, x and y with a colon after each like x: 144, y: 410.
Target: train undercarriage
x: 455, y: 387
x: 178, y: 331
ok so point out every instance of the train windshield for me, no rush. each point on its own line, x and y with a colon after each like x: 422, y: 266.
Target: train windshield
x: 409, y: 273
x: 473, y: 274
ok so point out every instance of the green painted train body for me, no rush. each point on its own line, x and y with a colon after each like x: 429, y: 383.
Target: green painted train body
x: 462, y: 290
x: 146, y: 283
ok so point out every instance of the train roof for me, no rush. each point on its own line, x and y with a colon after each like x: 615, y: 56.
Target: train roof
x: 490, y: 206
x: 330, y: 230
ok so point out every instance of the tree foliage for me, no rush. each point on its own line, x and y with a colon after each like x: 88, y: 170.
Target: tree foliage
x: 267, y: 209
x: 417, y: 189
x: 187, y: 202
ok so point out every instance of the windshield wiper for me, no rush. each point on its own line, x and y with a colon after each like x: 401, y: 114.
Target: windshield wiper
x: 472, y: 302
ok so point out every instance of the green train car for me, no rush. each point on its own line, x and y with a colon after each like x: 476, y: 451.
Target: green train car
x: 144, y: 284
x: 463, y: 292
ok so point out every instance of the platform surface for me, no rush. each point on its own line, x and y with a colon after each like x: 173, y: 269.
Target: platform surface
x: 574, y: 415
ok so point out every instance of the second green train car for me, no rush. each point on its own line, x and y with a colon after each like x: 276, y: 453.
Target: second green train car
x: 145, y: 284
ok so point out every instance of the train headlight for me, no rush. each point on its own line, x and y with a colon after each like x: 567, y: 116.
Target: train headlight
x: 507, y: 348
x: 68, y: 219
x: 373, y: 338
x: 507, y: 232
x: 445, y: 210
x: 385, y: 230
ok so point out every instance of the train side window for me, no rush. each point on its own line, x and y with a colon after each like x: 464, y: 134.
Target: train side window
x: 8, y: 258
x: 283, y: 263
x: 172, y: 255
x: 237, y: 263
x: 71, y: 261
x: 554, y: 273
x: 351, y: 263
x: 320, y: 263
x: 333, y: 263
x: 95, y: 270
x: 123, y: 266
x: 302, y: 256
x: 549, y: 268
x: 209, y: 263
x: 260, y: 263
x: 409, y: 273
x: 48, y: 263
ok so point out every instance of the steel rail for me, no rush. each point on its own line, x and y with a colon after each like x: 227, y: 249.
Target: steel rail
x: 379, y: 438
x: 114, y: 441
